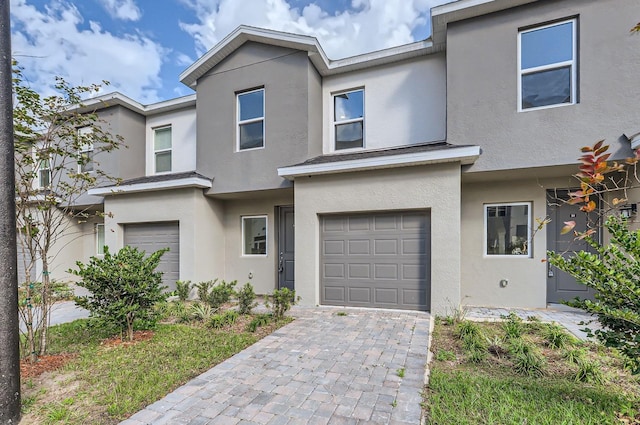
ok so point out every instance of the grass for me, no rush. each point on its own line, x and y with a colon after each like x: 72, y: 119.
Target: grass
x: 113, y: 381
x: 541, y: 377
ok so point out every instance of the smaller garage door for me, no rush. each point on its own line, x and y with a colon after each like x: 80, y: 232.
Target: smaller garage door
x: 375, y: 260
x: 151, y: 237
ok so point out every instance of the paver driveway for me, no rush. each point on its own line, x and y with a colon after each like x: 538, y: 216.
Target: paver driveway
x: 322, y: 368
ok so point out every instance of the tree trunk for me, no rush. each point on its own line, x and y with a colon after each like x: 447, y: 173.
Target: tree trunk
x: 46, y: 289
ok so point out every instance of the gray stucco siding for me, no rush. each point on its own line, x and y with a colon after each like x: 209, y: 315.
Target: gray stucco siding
x: 284, y: 74
x: 482, y: 80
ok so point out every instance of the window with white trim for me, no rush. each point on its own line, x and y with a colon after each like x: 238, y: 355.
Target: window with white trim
x: 547, y: 65
x: 250, y: 117
x: 254, y: 235
x: 44, y: 170
x: 162, y: 149
x: 99, y: 239
x: 507, y: 229
x: 85, y: 154
x: 348, y: 119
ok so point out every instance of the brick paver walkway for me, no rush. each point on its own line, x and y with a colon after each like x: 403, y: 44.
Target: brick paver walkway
x: 322, y: 368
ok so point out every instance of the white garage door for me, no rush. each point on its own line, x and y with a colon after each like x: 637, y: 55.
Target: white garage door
x: 376, y: 260
x: 151, y: 237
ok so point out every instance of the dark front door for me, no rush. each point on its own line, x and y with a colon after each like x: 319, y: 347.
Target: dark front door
x: 286, y: 248
x: 560, y: 285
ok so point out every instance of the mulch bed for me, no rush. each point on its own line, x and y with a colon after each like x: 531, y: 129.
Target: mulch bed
x: 46, y: 363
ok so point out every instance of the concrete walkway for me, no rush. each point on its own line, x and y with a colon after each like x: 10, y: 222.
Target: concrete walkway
x: 363, y: 368
x: 568, y: 317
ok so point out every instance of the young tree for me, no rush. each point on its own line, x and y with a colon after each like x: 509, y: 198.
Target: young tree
x: 613, y: 270
x: 55, y: 144
x: 124, y: 287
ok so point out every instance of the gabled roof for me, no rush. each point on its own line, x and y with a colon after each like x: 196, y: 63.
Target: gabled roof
x: 323, y: 64
x: 116, y: 98
x: 464, y: 9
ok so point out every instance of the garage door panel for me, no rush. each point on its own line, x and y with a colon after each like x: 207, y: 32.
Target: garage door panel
x: 385, y: 264
x: 359, y: 247
x: 151, y: 237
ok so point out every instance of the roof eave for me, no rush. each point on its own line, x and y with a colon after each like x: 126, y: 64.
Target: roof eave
x: 465, y: 155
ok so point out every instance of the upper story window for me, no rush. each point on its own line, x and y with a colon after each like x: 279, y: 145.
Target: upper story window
x: 44, y: 170
x: 507, y: 229
x: 85, y: 155
x: 348, y: 119
x: 99, y: 239
x: 547, y: 65
x: 162, y: 149
x: 250, y: 120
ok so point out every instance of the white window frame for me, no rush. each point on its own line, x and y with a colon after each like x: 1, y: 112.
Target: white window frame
x: 41, y: 169
x: 157, y: 151
x: 266, y: 235
x: 335, y: 122
x: 99, y: 226
x: 486, y: 207
x: 85, y: 147
x: 573, y: 63
x: 240, y: 122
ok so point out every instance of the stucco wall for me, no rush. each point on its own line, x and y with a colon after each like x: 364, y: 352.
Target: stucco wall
x: 262, y: 268
x: 284, y: 74
x: 482, y: 85
x: 481, y: 274
x: 202, y: 255
x: 404, y: 103
x: 435, y: 188
x: 183, y: 139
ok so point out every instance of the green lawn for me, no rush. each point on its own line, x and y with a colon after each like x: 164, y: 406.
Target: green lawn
x: 476, y: 382
x: 106, y: 383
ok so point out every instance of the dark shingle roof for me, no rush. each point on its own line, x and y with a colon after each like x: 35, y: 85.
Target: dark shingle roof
x: 159, y: 178
x: 402, y: 150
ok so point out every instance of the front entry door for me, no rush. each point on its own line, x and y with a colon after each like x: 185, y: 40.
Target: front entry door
x: 560, y: 285
x: 286, y: 248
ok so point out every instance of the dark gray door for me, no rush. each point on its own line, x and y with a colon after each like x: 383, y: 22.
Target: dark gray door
x: 560, y: 285
x: 151, y: 237
x: 286, y: 248
x: 376, y: 260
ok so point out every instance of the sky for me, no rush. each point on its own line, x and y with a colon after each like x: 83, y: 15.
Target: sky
x: 142, y: 46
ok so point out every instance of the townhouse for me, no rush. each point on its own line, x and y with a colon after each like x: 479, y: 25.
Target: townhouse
x: 405, y: 178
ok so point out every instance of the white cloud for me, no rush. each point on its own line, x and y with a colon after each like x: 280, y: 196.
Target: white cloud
x: 52, y: 43
x: 127, y: 10
x: 369, y: 25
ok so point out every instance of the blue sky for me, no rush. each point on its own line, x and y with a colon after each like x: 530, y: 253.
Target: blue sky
x: 142, y: 46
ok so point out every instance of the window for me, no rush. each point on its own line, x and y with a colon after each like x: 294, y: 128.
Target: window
x: 507, y: 229
x: 547, y: 66
x: 85, y: 157
x: 162, y: 149
x: 251, y: 120
x: 44, y: 171
x: 99, y: 239
x: 254, y: 235
x: 348, y: 119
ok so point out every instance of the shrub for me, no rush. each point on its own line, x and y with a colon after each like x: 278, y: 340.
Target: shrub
x: 614, y: 272
x: 513, y: 327
x: 589, y: 371
x: 257, y: 321
x: 183, y: 289
x: 217, y: 321
x: 445, y: 355
x: 204, y: 288
x: 201, y: 311
x: 477, y: 355
x: 575, y: 355
x: 280, y: 301
x: 530, y: 363
x: 466, y: 329
x: 556, y: 336
x: 221, y: 293
x: 124, y: 287
x: 246, y: 299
